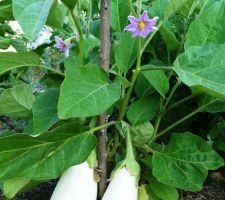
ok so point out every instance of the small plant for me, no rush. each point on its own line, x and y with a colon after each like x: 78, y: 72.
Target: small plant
x: 130, y: 89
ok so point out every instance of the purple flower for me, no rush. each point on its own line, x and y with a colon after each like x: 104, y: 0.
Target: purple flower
x: 62, y: 46
x: 141, y: 26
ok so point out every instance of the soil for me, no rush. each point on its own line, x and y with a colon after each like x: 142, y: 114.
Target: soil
x: 208, y: 193
x: 44, y: 191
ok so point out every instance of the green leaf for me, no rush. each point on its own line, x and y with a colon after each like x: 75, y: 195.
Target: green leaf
x: 143, y: 110
x: 6, y: 10
x: 85, y: 5
x: 90, y: 43
x: 142, y: 134
x: 95, y: 28
x: 203, y: 68
x: 163, y: 191
x: 70, y: 3
x: 119, y: 12
x: 143, y: 87
x: 44, y: 157
x: 219, y: 144
x: 11, y: 61
x: 187, y: 9
x: 87, y: 92
x: 170, y: 39
x: 5, y: 43
x: 12, y: 186
x: 31, y: 15
x: 6, y: 133
x: 208, y: 27
x: 45, y: 110
x: 185, y: 162
x: 126, y: 52
x: 211, y: 104
x: 17, y: 101
x: 145, y: 193
x: 158, y: 80
x: 158, y: 8
x: 71, y: 61
x: 56, y: 15
x: 174, y: 6
x: 19, y: 45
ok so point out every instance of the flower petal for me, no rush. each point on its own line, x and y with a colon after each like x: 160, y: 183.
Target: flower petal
x: 58, y: 39
x: 67, y: 52
x: 136, y: 33
x: 131, y: 27
x: 144, y: 17
x: 133, y: 20
x: 153, y: 20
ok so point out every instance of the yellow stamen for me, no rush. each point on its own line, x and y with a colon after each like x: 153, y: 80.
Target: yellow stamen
x: 141, y: 25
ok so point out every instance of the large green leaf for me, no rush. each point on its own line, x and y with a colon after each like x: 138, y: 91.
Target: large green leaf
x: 142, y: 134
x: 203, y: 68
x: 87, y: 92
x: 143, y: 110
x: 9, y: 61
x: 12, y: 186
x: 70, y: 3
x: 169, y: 37
x: 143, y: 87
x: 158, y: 80
x: 211, y: 104
x: 126, y: 52
x: 158, y: 8
x: 31, y: 15
x: 187, y: 9
x: 90, y: 43
x: 44, y: 157
x: 56, y: 15
x: 174, y: 6
x: 163, y: 191
x: 145, y: 193
x: 185, y: 162
x: 208, y: 27
x: 45, y: 110
x: 17, y: 101
x: 119, y: 12
x: 6, y: 10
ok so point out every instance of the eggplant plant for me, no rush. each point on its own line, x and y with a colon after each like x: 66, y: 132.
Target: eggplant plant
x: 139, y: 83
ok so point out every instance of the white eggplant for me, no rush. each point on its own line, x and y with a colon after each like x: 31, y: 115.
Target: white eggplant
x: 125, y: 176
x: 122, y: 186
x: 10, y: 49
x: 76, y: 183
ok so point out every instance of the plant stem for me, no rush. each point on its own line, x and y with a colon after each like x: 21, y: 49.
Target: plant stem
x: 139, y: 3
x: 158, y: 118
x: 77, y: 23
x: 152, y: 67
x: 171, y: 94
x: 102, y: 134
x: 163, y: 108
x: 182, y: 101
x: 51, y: 69
x: 133, y: 80
x: 184, y: 119
x: 150, y: 37
x: 89, y: 13
x: 177, y: 123
x: 131, y: 8
x: 116, y: 144
x: 105, y: 125
x: 168, y: 57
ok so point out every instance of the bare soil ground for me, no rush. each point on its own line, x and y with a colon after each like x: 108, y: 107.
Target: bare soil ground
x: 44, y: 191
